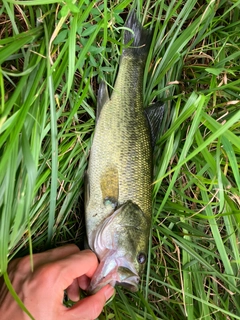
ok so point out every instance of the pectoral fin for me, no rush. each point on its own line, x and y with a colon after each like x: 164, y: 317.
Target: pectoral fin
x: 110, y: 187
x: 154, y: 116
x: 102, y: 98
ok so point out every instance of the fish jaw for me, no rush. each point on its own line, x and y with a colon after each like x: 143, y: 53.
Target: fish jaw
x: 114, y: 270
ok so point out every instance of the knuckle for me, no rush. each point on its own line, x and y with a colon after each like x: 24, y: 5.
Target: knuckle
x: 49, y: 272
x: 22, y: 265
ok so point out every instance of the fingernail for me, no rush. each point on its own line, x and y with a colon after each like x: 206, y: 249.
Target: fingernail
x: 109, y: 291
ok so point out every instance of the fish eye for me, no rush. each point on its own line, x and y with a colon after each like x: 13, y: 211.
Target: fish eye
x: 141, y: 258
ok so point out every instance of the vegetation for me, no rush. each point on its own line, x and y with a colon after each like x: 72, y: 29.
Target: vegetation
x: 53, y: 55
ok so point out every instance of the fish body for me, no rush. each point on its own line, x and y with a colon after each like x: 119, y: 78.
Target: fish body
x: 119, y: 176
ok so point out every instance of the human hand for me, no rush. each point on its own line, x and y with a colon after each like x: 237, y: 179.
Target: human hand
x: 42, y: 290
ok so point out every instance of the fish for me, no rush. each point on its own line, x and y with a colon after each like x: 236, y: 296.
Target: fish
x: 118, y: 180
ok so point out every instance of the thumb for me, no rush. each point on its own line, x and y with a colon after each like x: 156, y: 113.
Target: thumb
x: 90, y: 307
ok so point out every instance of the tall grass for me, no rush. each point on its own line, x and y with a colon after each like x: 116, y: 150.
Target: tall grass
x: 53, y: 55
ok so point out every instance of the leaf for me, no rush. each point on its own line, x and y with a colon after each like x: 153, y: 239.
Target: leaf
x: 89, y: 30
x: 61, y: 37
x: 215, y: 71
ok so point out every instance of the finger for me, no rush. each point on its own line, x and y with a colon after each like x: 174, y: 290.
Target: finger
x: 90, y: 307
x: 23, y: 265
x: 73, y: 291
x: 76, y: 265
x: 83, y: 282
x: 54, y: 254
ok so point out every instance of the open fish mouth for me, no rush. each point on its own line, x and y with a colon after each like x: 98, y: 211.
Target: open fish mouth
x: 129, y: 279
x: 109, y: 272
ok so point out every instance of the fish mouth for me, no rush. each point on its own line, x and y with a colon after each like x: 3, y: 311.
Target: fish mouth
x: 129, y: 279
x: 111, y: 271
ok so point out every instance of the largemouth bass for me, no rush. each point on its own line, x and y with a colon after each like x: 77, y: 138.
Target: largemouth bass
x: 119, y: 176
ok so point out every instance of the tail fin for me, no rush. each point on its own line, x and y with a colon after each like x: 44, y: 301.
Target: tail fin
x: 141, y: 38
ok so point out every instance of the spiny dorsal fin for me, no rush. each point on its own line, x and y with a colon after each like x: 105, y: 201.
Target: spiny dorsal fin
x: 154, y: 116
x: 102, y: 98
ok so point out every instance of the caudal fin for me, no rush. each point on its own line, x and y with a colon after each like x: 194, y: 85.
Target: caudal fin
x: 141, y: 38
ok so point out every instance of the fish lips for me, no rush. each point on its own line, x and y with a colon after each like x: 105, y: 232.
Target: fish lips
x: 112, y: 271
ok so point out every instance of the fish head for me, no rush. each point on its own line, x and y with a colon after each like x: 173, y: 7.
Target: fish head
x: 121, y: 244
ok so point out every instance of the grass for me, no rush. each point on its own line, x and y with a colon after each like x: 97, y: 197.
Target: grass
x: 53, y: 55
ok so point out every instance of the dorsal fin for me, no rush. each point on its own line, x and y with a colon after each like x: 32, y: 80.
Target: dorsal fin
x: 102, y: 98
x: 154, y: 116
